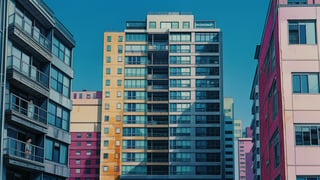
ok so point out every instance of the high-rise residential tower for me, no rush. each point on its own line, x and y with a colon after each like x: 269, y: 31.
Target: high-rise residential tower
x: 162, y: 100
x: 289, y: 91
x: 255, y: 126
x: 36, y: 74
x: 85, y: 126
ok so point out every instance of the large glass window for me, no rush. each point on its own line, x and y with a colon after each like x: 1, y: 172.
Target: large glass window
x: 307, y: 135
x: 179, y: 71
x: 56, y: 151
x: 305, y: 83
x: 306, y: 177
x: 58, y: 116
x: 276, y: 149
x: 181, y: 83
x: 302, y: 32
x: 180, y: 144
x: 180, y: 48
x: 61, y: 51
x: 134, y: 131
x: 134, y: 144
x: 207, y: 83
x: 180, y: 119
x: 180, y: 131
x: 180, y: 95
x: 207, y: 59
x: 136, y: 48
x: 207, y: 48
x: 136, y: 37
x: 180, y: 37
x: 60, y: 82
x: 152, y: 25
x: 134, y: 107
x: 207, y: 37
x: 134, y: 119
x: 135, y: 72
x: 207, y: 107
x: 134, y: 170
x: 207, y: 71
x: 134, y: 157
x: 180, y: 107
x: 180, y: 59
x: 141, y: 95
x: 136, y: 60
x: 135, y: 83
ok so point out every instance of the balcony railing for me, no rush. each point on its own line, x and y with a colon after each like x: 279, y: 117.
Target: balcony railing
x: 27, y: 109
x: 180, y: 159
x: 30, y: 30
x: 14, y: 147
x: 157, y: 159
x: 28, y: 70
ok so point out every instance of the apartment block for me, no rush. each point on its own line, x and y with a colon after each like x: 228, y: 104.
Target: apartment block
x: 162, y: 100
x: 85, y: 132
x: 255, y: 126
x: 36, y: 73
x: 289, y: 91
x: 245, y: 158
x: 229, y: 137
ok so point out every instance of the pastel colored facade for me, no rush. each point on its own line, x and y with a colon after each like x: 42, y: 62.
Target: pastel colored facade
x: 84, y: 155
x: 112, y: 105
x: 162, y: 100
x: 289, y: 91
x: 35, y: 76
x: 229, y: 156
x: 249, y: 163
x: 244, y: 149
x: 255, y: 126
x: 237, y: 129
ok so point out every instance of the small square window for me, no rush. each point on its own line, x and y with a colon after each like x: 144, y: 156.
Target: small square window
x: 118, y: 105
x: 88, y: 162
x: 108, y: 38
x: 106, y: 118
x: 107, y: 94
x: 78, y: 161
x: 74, y: 96
x: 80, y: 96
x: 78, y: 153
x: 118, y: 118
x: 108, y: 60
x: 117, y: 130
x: 105, y: 143
x: 106, y: 130
x: 108, y: 48
x: 120, y: 49
x: 77, y: 171
x: 119, y: 94
x: 78, y: 143
x: 105, y: 168
x: 108, y: 71
x: 120, y: 38
x: 119, y: 82
x: 88, y: 96
x: 186, y: 25
x: 152, y: 25
x: 89, y: 143
x: 117, y: 143
x: 89, y: 135
x: 107, y: 82
x: 106, y: 106
x: 119, y: 58
x: 78, y: 135
x: 119, y: 70
x: 105, y: 155
x: 88, y: 152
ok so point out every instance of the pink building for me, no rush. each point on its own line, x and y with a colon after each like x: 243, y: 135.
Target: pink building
x: 85, y: 136
x: 244, y: 150
x: 289, y: 97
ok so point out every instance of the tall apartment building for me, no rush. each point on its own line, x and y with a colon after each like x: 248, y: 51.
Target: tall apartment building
x: 36, y: 73
x: 255, y: 127
x: 289, y: 91
x: 162, y: 100
x: 245, y: 154
x: 85, y: 127
x: 229, y: 137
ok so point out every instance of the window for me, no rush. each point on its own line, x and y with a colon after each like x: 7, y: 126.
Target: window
x: 105, y: 143
x: 207, y: 59
x: 120, y: 49
x: 177, y: 107
x: 207, y: 83
x: 136, y: 60
x: 119, y: 58
x: 207, y: 37
x: 180, y: 131
x: 88, y: 171
x: 78, y: 143
x: 178, y: 71
x: 180, y: 95
x: 107, y: 82
x: 135, y: 83
x: 273, y: 93
x: 180, y: 144
x: 207, y: 48
x: 136, y: 37
x: 134, y: 119
x: 276, y: 149
x: 165, y: 25
x: 77, y: 171
x: 175, y: 25
x: 61, y: 51
x: 180, y: 83
x: 117, y: 130
x: 108, y: 38
x: 106, y: 106
x: 180, y: 60
x: 305, y: 83
x: 136, y: 48
x: 105, y: 168
x: 135, y: 72
x: 207, y: 71
x: 88, y: 153
x: 89, y: 143
x: 107, y: 94
x: 105, y: 155
x: 108, y: 48
x: 308, y: 177
x: 106, y: 130
x: 108, y: 60
x: 180, y: 37
x: 78, y: 161
x: 118, y: 105
x: 118, y: 118
x: 106, y: 118
x: 60, y: 82
x: 118, y: 93
x: 58, y: 116
x: 186, y: 25
x: 120, y: 38
x: 88, y: 96
x: 152, y: 25
x: 180, y: 48
x: 78, y: 153
x: 119, y: 70
x: 307, y: 135
x: 180, y: 119
x: 78, y: 135
x: 107, y: 70
x: 296, y: 2
x: 56, y: 151
x: 134, y: 107
x: 117, y: 143
x: 119, y: 82
x: 302, y: 32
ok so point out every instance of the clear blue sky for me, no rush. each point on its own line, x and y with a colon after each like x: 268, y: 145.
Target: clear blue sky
x: 241, y: 22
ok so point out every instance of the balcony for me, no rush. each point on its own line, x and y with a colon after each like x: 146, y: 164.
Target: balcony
x: 24, y: 33
x: 25, y: 114
x: 15, y: 155
x: 27, y: 77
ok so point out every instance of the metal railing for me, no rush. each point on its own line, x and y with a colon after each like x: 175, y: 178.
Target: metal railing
x: 27, y: 109
x: 28, y: 70
x: 30, y: 30
x: 23, y: 150
x: 134, y: 159
x: 180, y: 159
x: 158, y: 134
x: 157, y: 122
x: 158, y: 159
